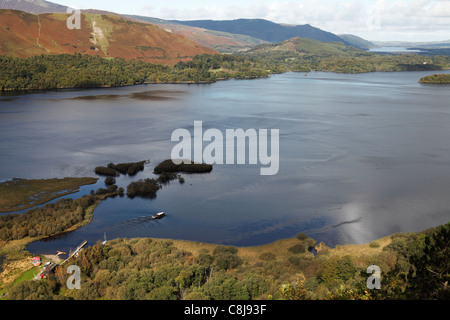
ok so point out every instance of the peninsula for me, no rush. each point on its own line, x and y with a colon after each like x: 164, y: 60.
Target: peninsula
x: 436, y: 79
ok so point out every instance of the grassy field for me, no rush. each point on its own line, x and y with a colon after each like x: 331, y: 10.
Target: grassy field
x: 20, y: 194
x: 280, y: 248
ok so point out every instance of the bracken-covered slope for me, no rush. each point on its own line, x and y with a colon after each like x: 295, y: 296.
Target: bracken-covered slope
x: 24, y: 35
x: 218, y: 40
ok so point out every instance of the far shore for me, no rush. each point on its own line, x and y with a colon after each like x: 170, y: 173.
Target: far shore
x: 7, y: 92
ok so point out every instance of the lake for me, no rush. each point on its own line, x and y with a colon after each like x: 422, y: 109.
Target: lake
x: 362, y: 156
x: 394, y: 50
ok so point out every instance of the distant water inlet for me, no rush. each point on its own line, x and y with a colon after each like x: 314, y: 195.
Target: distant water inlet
x: 395, y: 50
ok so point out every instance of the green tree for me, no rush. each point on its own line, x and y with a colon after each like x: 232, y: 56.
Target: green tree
x: 223, y: 286
x: 256, y: 284
x: 431, y: 274
x: 337, y: 269
x: 162, y: 293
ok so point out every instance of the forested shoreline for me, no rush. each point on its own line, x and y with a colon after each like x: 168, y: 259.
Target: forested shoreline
x: 65, y: 71
x: 414, y: 266
x: 83, y: 71
x: 436, y: 79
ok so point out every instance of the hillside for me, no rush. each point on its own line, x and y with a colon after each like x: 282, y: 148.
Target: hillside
x: 357, y: 42
x: 413, y: 266
x: 24, y: 35
x: 42, y: 6
x: 264, y: 30
x: 304, y: 46
x: 32, y: 6
x: 303, y: 55
x: 218, y: 40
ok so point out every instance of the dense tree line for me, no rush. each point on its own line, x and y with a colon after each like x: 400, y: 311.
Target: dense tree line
x: 114, y: 170
x: 436, y: 78
x: 349, y: 62
x: 146, y: 269
x: 82, y: 71
x: 51, y: 219
x: 414, y: 266
x: 428, y: 278
x: 191, y: 167
x: 145, y: 188
x: 131, y: 168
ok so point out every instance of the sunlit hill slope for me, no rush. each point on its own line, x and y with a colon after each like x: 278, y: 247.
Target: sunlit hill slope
x: 24, y: 35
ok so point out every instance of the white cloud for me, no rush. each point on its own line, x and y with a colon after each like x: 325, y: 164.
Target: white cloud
x: 373, y: 19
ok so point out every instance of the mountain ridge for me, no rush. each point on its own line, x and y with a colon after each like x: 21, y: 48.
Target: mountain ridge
x: 307, y: 46
x: 357, y: 42
x: 218, y: 40
x: 110, y: 36
x: 223, y: 35
x: 33, y: 6
x: 264, y: 29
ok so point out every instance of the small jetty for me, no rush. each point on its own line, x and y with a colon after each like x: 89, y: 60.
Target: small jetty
x: 75, y: 253
x: 49, y: 267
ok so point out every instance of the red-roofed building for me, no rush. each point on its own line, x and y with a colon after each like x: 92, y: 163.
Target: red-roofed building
x: 36, y: 261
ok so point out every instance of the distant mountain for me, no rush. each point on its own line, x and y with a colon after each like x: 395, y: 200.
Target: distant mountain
x: 264, y: 29
x: 42, y: 6
x: 218, y: 40
x: 24, y: 35
x: 357, y: 41
x: 32, y: 6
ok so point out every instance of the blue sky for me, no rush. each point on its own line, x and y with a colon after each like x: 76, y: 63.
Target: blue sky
x: 377, y: 20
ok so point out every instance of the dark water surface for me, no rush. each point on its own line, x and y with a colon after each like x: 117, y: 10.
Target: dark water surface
x: 361, y: 156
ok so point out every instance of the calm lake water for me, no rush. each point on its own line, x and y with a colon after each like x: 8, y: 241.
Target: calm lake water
x: 394, y: 50
x: 361, y: 156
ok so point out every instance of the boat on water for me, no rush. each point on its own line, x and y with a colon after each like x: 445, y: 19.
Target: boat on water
x: 159, y: 215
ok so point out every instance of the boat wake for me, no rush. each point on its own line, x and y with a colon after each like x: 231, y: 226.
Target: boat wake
x: 133, y: 225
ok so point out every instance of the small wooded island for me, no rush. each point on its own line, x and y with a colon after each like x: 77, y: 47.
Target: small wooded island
x: 146, y: 188
x: 436, y: 78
